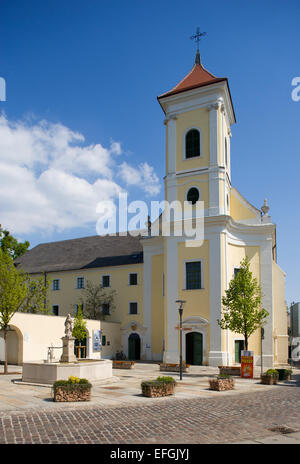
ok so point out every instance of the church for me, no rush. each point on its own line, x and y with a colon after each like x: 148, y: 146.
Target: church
x: 150, y: 273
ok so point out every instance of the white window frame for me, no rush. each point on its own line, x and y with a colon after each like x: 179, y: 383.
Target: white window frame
x: 52, y: 309
x: 106, y: 275
x: 80, y: 277
x: 55, y: 289
x: 137, y: 308
x: 184, y: 144
x: 184, y: 274
x: 137, y: 279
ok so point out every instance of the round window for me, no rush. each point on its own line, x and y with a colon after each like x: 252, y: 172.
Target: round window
x: 193, y: 195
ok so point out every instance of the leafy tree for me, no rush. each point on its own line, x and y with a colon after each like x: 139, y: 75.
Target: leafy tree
x: 242, y: 312
x: 94, y: 297
x: 79, y: 327
x: 10, y: 244
x: 18, y: 292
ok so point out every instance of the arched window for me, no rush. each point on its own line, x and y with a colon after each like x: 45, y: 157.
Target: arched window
x: 192, y: 143
x: 193, y: 195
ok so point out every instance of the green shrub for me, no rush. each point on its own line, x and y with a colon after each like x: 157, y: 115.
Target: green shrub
x: 166, y: 379
x: 83, y: 384
x: 223, y: 376
x: 160, y: 381
x: 272, y: 372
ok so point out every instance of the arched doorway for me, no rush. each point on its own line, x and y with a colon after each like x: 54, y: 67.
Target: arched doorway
x: 14, y: 342
x: 134, y: 347
x: 194, y: 348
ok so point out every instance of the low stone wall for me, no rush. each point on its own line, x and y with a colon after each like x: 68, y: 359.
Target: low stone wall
x: 167, y: 367
x: 230, y: 370
x: 123, y: 364
x: 155, y: 391
x: 76, y: 393
x: 221, y: 384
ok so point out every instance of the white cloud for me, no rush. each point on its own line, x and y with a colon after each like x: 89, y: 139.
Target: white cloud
x: 144, y: 177
x: 50, y: 180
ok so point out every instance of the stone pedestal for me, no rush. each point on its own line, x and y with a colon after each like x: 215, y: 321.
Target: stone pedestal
x: 68, y: 355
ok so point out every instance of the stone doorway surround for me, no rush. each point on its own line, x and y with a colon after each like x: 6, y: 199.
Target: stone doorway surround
x: 134, y: 327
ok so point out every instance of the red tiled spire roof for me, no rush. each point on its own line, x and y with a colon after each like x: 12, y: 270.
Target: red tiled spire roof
x: 197, y: 77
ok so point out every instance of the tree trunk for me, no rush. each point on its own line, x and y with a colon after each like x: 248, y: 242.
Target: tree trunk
x: 5, y: 352
x: 246, y: 342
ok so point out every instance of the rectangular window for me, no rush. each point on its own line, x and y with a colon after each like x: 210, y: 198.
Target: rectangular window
x: 105, y: 309
x: 133, y: 308
x: 80, y: 282
x: 106, y: 281
x: 103, y: 340
x: 193, y: 275
x: 133, y: 279
x: 55, y: 310
x: 55, y: 284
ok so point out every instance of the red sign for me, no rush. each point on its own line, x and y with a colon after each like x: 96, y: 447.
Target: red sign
x: 247, y: 367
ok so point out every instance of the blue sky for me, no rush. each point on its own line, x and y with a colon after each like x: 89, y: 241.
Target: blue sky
x: 95, y: 68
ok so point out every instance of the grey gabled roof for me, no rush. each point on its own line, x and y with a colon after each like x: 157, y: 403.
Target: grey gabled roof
x: 82, y: 253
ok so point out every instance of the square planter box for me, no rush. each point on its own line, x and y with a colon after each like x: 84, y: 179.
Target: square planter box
x: 168, y: 367
x: 284, y: 374
x: 221, y: 384
x: 230, y: 370
x: 269, y: 380
x: 123, y: 364
x: 68, y: 393
x: 156, y: 390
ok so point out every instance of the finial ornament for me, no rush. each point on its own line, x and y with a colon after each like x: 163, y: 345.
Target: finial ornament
x: 265, y: 208
x: 197, y: 37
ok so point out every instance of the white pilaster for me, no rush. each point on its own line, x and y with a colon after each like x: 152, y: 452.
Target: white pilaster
x: 267, y: 290
x: 171, y: 122
x: 172, y: 353
x: 216, y: 356
x: 214, y: 185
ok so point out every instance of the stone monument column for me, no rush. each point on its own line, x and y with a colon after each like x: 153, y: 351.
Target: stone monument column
x: 68, y: 355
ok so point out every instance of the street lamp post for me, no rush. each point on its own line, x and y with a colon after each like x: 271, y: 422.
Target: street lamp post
x: 180, y: 309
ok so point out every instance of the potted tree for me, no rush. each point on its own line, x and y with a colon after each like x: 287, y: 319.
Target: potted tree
x: 221, y: 383
x: 73, y: 389
x: 162, y: 386
x: 79, y: 331
x: 270, y: 377
x: 242, y: 311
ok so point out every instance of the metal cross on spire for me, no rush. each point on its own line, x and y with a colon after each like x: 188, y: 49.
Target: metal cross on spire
x: 197, y: 37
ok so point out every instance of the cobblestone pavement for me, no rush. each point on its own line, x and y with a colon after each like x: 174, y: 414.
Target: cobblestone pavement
x: 219, y: 419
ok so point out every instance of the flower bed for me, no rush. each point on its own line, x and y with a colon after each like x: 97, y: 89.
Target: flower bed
x: 123, y: 364
x: 162, y: 386
x: 230, y: 370
x: 221, y: 383
x: 73, y: 389
x: 168, y: 367
x: 270, y: 377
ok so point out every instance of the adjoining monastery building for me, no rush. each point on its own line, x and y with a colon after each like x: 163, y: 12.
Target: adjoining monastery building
x: 150, y: 273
